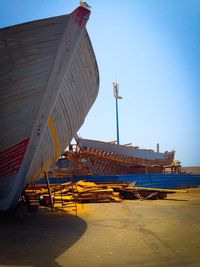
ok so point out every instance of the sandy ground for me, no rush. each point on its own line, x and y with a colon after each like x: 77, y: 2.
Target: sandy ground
x: 132, y: 233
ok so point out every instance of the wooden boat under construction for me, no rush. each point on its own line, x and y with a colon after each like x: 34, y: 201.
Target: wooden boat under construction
x: 104, y: 158
x: 48, y: 82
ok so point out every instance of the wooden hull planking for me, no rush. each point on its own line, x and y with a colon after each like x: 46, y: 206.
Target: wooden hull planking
x: 111, y: 159
x: 48, y: 82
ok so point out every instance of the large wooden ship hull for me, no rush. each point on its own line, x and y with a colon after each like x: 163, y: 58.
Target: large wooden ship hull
x: 111, y: 159
x: 48, y: 82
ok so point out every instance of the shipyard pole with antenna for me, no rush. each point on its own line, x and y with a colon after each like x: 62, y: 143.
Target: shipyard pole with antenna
x: 116, y: 96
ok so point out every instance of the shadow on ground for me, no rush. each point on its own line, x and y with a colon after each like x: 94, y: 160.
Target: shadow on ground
x: 38, y: 239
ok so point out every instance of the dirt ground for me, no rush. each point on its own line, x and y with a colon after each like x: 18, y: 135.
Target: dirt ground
x: 137, y: 233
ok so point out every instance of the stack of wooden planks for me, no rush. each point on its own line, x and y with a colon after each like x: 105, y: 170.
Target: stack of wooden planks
x: 88, y: 192
x: 143, y: 193
x: 31, y: 197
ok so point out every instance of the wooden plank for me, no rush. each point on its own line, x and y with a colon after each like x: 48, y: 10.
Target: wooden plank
x: 160, y: 190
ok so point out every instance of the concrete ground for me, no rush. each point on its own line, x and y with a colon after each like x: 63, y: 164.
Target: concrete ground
x: 132, y: 233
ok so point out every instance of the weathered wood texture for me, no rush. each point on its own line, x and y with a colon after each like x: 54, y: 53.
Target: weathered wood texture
x: 112, y: 159
x: 48, y: 82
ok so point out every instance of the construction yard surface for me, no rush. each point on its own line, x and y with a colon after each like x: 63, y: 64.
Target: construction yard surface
x: 146, y: 233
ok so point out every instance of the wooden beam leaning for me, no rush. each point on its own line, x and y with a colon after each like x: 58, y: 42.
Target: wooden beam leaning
x: 49, y: 189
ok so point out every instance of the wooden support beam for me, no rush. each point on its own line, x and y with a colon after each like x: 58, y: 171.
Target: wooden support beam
x: 49, y: 189
x: 161, y: 189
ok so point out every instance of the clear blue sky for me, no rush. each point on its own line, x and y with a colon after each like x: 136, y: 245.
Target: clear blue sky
x: 152, y: 49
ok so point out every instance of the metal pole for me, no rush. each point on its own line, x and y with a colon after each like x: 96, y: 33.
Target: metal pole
x: 116, y: 96
x: 117, y: 121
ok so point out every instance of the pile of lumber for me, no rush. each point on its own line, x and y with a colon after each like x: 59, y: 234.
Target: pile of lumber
x: 88, y: 192
x: 31, y: 197
x: 143, y: 193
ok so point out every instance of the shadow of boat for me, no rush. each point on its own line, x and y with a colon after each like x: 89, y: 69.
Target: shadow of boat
x: 38, y: 239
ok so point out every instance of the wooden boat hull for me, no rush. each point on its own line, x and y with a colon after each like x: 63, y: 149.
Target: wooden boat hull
x: 48, y: 82
x: 111, y: 159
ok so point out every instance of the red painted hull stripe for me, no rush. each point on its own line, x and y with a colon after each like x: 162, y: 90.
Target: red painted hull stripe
x: 11, y: 159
